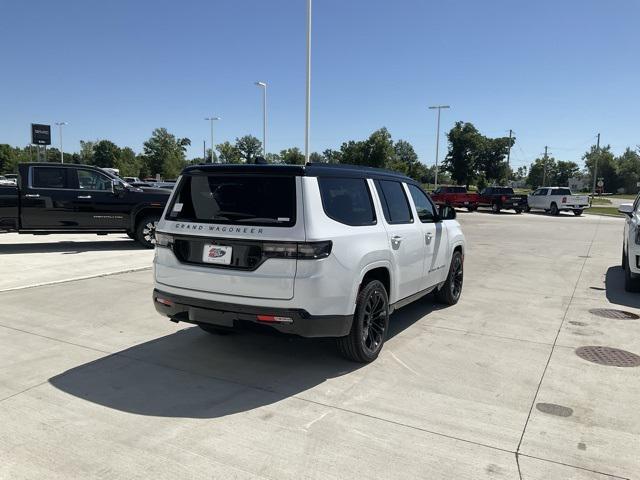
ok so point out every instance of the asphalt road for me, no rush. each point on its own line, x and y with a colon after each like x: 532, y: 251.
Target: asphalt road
x: 94, y: 384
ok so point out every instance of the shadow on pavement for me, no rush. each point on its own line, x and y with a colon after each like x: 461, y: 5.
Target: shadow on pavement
x: 614, y: 283
x: 194, y: 374
x: 68, y: 247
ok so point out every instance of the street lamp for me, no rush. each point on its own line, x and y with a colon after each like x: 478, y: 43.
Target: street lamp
x: 60, y: 124
x: 263, y: 85
x: 439, y: 108
x: 211, y: 119
x: 307, y: 122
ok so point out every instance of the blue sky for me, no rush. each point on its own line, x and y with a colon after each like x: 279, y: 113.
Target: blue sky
x: 556, y: 72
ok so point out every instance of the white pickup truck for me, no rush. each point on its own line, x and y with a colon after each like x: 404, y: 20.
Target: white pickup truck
x: 556, y: 199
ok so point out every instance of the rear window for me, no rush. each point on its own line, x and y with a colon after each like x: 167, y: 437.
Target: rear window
x: 561, y: 191
x: 347, y: 200
x: 48, y: 177
x: 395, y: 204
x: 457, y: 189
x: 503, y: 190
x: 236, y: 200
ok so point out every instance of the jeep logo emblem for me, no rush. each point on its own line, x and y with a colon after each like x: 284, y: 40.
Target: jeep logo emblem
x: 216, y: 252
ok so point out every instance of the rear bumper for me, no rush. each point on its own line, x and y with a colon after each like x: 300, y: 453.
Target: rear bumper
x: 564, y: 206
x: 199, y: 311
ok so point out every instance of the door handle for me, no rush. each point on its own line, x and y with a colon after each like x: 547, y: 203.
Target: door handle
x: 428, y: 237
x: 31, y: 195
x: 84, y: 196
x: 396, y: 239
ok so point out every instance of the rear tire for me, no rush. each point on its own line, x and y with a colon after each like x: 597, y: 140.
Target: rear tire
x: 527, y: 209
x: 495, y: 208
x: 554, y: 210
x: 213, y: 330
x: 450, y: 292
x: 472, y: 208
x: 370, y: 324
x: 146, y: 230
x: 577, y: 212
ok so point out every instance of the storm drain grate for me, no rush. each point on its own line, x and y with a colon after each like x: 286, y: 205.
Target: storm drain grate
x: 609, y: 356
x: 614, y: 314
x: 554, y: 409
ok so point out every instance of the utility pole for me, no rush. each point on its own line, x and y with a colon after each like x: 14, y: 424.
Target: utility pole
x: 211, y: 119
x: 204, y: 151
x: 595, y: 168
x: 60, y: 125
x: 263, y: 85
x: 544, y: 170
x: 509, y: 152
x: 439, y: 108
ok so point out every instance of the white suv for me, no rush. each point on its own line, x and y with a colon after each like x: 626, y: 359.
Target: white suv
x: 317, y: 250
x: 631, y: 245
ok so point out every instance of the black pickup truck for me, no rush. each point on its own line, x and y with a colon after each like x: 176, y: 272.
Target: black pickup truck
x: 502, y: 198
x: 71, y: 198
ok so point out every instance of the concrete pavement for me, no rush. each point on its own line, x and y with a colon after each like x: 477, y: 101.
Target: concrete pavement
x: 94, y: 384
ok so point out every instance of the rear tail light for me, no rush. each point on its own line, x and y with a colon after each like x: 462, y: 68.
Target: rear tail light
x: 164, y: 240
x: 302, y: 251
x: 564, y: 199
x: 503, y: 198
x: 164, y: 301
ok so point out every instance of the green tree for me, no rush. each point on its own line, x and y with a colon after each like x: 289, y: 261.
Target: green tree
x: 273, y: 158
x: 379, y: 148
x: 292, y: 156
x: 542, y: 173
x: 606, y: 166
x: 464, y: 144
x: 86, y: 152
x: 628, y: 169
x: 331, y: 156
x: 316, y: 157
x: 491, y: 158
x: 405, y: 159
x: 128, y: 163
x: 229, y: 153
x: 106, y: 154
x: 564, y: 171
x: 165, y: 154
x: 250, y: 147
x: 353, y: 153
x: 8, y: 158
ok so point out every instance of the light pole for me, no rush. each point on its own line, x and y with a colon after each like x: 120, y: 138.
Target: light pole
x: 263, y: 85
x: 211, y: 119
x: 60, y: 124
x: 308, y: 105
x: 439, y: 108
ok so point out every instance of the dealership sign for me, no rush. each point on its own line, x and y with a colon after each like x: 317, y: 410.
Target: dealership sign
x: 40, y: 134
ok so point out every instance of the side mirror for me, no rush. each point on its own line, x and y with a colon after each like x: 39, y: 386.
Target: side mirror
x: 447, y: 213
x: 117, y: 187
x: 626, y: 208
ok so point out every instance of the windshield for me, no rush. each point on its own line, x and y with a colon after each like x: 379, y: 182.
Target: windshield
x: 235, y: 200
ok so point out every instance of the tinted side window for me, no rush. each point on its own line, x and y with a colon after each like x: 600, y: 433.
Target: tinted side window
x: 347, y: 200
x: 90, y: 180
x: 562, y: 191
x: 395, y: 204
x: 424, y: 207
x: 48, y: 177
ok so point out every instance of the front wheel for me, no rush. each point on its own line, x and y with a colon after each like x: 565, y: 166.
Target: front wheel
x: 577, y: 212
x: 495, y: 208
x: 370, y: 324
x: 146, y: 230
x: 472, y: 208
x: 554, y: 210
x: 450, y: 292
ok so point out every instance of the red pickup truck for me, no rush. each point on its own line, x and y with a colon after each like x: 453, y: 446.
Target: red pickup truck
x: 455, y: 196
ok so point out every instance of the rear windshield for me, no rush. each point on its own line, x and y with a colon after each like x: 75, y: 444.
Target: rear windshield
x: 457, y: 189
x: 503, y: 190
x: 561, y: 191
x: 236, y: 200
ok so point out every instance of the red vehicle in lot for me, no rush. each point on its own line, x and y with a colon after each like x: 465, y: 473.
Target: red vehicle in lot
x: 455, y: 196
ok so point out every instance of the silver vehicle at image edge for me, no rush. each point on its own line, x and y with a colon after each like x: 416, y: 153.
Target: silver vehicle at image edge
x: 317, y: 251
x: 631, y: 245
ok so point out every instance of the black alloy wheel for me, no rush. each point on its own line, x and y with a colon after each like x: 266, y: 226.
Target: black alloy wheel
x: 370, y: 324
